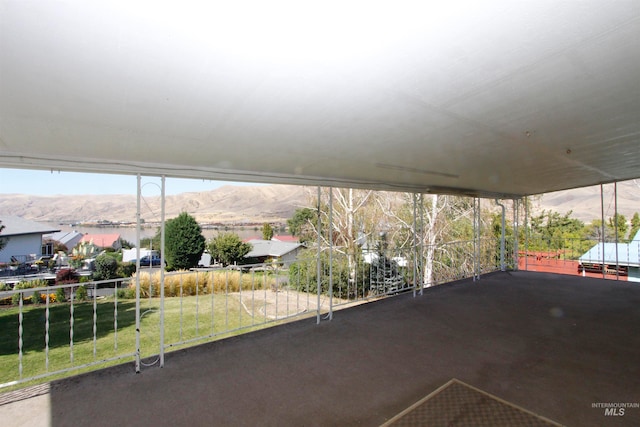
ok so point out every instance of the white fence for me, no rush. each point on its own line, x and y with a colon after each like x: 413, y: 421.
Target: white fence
x: 100, y: 323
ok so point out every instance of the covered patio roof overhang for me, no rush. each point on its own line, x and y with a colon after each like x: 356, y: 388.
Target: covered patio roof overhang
x: 495, y: 99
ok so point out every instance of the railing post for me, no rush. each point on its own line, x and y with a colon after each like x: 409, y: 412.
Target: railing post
x: 421, y: 241
x: 602, y: 239
x: 475, y: 241
x: 415, y: 246
x: 139, y: 191
x: 502, y: 237
x: 526, y: 233
x: 516, y: 218
x: 478, y: 237
x: 318, y: 262
x: 331, y: 253
x: 615, y: 204
x: 162, y: 245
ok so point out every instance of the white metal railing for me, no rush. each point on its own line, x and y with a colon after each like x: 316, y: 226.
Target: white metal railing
x: 43, y: 338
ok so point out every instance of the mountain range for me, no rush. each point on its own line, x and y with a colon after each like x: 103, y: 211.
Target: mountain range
x: 268, y: 203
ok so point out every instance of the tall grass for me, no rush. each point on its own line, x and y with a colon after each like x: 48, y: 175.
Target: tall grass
x: 188, y: 283
x: 200, y: 306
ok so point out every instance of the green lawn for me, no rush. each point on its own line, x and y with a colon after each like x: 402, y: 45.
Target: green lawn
x: 180, y: 325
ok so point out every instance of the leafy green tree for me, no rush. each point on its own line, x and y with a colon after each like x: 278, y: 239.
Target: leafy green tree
x: 3, y: 241
x: 184, y: 242
x: 151, y: 242
x: 267, y: 231
x: 553, y: 231
x: 622, y: 226
x: 594, y: 230
x: 228, y: 248
x: 106, y: 267
x: 303, y: 275
x: 302, y: 224
x: 126, y: 244
x: 635, y: 225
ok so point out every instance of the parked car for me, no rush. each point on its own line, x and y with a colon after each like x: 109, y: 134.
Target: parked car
x: 150, y: 261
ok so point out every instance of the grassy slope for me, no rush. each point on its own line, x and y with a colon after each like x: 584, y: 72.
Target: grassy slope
x: 180, y: 325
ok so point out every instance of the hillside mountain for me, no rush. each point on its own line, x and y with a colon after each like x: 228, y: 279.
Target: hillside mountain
x: 227, y: 204
x: 273, y: 203
x: 585, y: 203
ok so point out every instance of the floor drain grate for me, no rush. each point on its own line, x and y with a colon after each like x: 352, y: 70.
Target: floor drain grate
x: 457, y: 404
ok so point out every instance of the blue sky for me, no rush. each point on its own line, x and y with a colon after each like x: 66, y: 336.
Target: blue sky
x: 37, y: 183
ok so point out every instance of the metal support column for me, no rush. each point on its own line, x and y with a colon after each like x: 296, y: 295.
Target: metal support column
x: 139, y: 191
x: 415, y: 246
x: 477, y: 236
x: 330, y: 227
x: 162, y: 240
x: 516, y: 218
x: 476, y: 244
x: 421, y: 241
x: 526, y: 233
x: 318, y: 261
x: 602, y: 239
x: 615, y: 223
x: 502, y: 237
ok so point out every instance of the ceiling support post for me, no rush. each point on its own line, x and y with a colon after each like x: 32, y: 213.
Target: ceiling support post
x: 516, y: 217
x: 602, y: 239
x: 331, y: 253
x: 415, y: 246
x: 615, y: 223
x: 318, y: 260
x: 476, y: 243
x: 526, y: 233
x: 162, y: 241
x: 502, y: 237
x: 138, y: 195
x: 421, y: 242
x: 479, y: 231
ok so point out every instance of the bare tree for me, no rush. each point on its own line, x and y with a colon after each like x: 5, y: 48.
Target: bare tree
x: 352, y: 221
x: 437, y: 220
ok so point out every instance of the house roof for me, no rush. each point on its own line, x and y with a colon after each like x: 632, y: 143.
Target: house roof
x: 101, y: 240
x: 65, y: 237
x: 494, y: 98
x: 627, y: 254
x: 15, y: 226
x: 273, y: 248
x: 286, y: 238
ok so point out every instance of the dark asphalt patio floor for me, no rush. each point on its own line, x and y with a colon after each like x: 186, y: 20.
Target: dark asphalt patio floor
x: 551, y: 344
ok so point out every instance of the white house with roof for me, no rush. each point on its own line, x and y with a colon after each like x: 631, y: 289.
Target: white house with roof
x: 264, y: 250
x: 68, y: 238
x: 623, y: 256
x: 23, y: 239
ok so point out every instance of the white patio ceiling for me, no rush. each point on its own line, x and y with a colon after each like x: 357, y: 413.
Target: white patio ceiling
x: 497, y: 98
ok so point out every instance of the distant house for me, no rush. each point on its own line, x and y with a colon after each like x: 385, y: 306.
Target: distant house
x: 103, y: 241
x: 24, y: 240
x: 288, y: 239
x: 130, y: 255
x: 265, y: 250
x: 68, y: 238
x: 625, y: 257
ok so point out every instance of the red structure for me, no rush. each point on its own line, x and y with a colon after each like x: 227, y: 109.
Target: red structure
x: 553, y: 262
